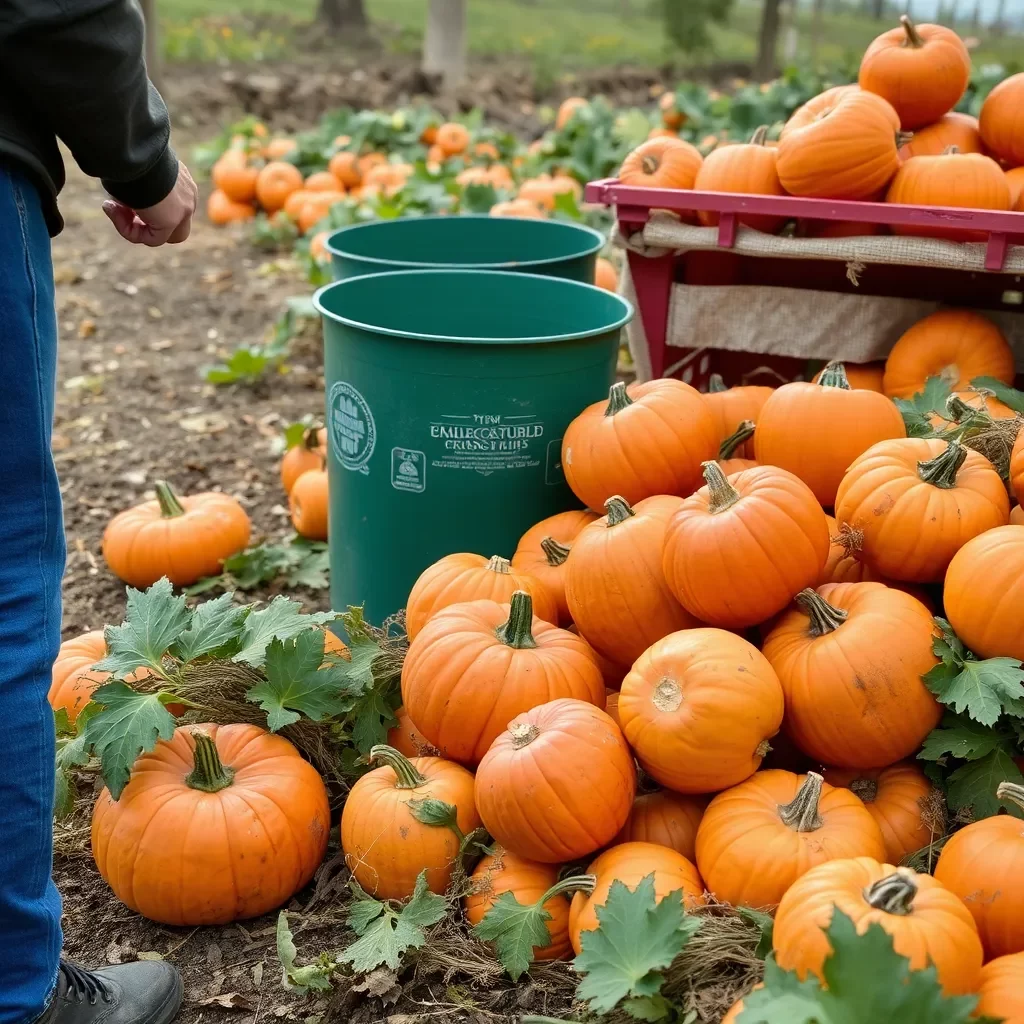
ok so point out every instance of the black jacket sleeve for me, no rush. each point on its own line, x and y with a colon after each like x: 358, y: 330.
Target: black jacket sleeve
x: 81, y: 65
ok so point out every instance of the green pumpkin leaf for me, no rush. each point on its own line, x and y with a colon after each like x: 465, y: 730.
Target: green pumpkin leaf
x: 973, y: 785
x: 765, y: 924
x: 960, y: 737
x: 516, y: 931
x: 1006, y: 394
x: 280, y: 620
x: 311, y: 569
x: 372, y: 716
x: 72, y: 752
x: 983, y: 689
x: 315, y: 976
x: 917, y: 411
x: 216, y: 627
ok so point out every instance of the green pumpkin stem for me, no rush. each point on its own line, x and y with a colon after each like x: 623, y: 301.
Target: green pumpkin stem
x: 408, y: 775
x: 572, y: 883
x: 894, y: 894
x: 902, y: 138
x: 743, y: 433
x: 208, y: 772
x: 723, y: 494
x: 617, y: 510
x: 170, y: 505
x: 913, y: 37
x: 958, y: 411
x: 498, y: 564
x: 716, y: 385
x: 801, y: 814
x: 515, y: 631
x: 618, y: 399
x: 834, y: 376
x: 825, y: 618
x: 311, y: 438
x: 760, y: 135
x: 555, y: 553
x: 1012, y: 791
x: 942, y: 470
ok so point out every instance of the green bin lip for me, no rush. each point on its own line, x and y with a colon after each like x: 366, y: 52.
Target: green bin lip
x: 598, y: 242
x: 402, y: 275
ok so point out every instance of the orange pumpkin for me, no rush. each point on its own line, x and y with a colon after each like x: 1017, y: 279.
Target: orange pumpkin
x: 952, y: 129
x: 235, y: 179
x: 861, y: 376
x: 295, y: 203
x: 452, y: 138
x: 464, y: 577
x: 407, y: 739
x: 517, y: 208
x: 676, y: 697
x: 316, y: 207
x: 646, y: 439
x: 848, y: 152
x: 662, y: 163
x: 927, y: 922
x: 1017, y: 515
x: 309, y: 501
x: 475, y: 666
x: 385, y: 840
x: 1015, y: 179
x: 71, y: 682
x: 309, y: 453
x: 821, y: 106
x: 615, y: 585
x: 817, y: 430
x: 850, y: 657
x: 984, y: 591
x: 223, y: 210
x: 275, y: 183
x: 183, y: 539
x: 1017, y: 467
x: 907, y: 807
x: 1002, y: 120
x: 535, y: 787
x: 756, y: 839
x: 217, y: 824
x: 845, y: 562
x: 605, y: 275
x: 732, y: 406
x: 568, y: 109
x: 323, y: 181
x: 957, y: 345
x: 277, y: 149
x: 630, y: 864
x: 345, y: 167
x: 543, y: 550
x: 1001, y: 993
x: 665, y: 819
x: 739, y: 549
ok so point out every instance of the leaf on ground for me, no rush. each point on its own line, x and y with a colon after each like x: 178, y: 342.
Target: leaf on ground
x: 973, y: 785
x: 311, y: 570
x: 917, y: 411
x: 516, y: 930
x: 216, y: 627
x: 636, y: 938
x: 766, y: 924
x: 154, y: 619
x: 280, y: 620
x: 960, y: 737
x: 300, y: 979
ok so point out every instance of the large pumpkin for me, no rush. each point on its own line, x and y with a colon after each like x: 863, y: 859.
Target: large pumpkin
x: 957, y: 345
x: 845, y: 562
x: 543, y: 550
x: 1002, y: 120
x: 850, y: 657
x: 183, y: 539
x: 630, y: 864
x: 217, y: 824
x: 475, y: 666
x: 646, y: 439
x: 738, y: 550
x: 953, y: 129
x: 661, y: 163
x: 458, y: 578
x: 698, y: 708
x: 1001, y: 994
x: 848, y: 152
x: 916, y: 502
x: 732, y: 406
x: 909, y: 810
x: 983, y: 593
x: 665, y: 819
x: 756, y: 839
x: 983, y: 864
x: 386, y: 842
x: 536, y: 786
x: 817, y: 430
x: 821, y: 106
x: 614, y: 582
x: 922, y: 70
x: 927, y: 922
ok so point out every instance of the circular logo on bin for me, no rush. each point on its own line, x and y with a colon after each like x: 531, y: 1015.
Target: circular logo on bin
x: 353, y: 433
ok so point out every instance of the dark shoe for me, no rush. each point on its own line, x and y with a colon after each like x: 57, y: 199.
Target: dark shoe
x: 147, y: 992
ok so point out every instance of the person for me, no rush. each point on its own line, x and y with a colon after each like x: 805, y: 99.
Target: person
x: 72, y: 70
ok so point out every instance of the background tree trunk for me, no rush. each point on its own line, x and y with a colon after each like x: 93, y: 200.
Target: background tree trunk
x: 343, y: 16
x: 1000, y: 15
x: 154, y: 64
x: 790, y: 33
x: 764, y: 68
x: 817, y: 23
x: 877, y: 9
x: 444, y: 45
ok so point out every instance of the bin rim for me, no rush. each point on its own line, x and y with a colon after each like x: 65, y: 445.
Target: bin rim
x: 404, y: 275
x: 597, y: 239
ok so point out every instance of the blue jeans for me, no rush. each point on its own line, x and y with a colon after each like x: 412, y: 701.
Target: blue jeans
x: 31, y: 567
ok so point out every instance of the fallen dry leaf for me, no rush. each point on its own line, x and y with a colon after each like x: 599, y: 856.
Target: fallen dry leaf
x: 229, y: 1001
x: 87, y: 328
x: 382, y: 983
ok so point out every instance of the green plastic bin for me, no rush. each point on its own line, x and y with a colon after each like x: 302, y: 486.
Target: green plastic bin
x: 447, y: 396
x: 527, y: 245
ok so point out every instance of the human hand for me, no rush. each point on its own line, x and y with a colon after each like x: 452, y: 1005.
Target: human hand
x: 170, y: 220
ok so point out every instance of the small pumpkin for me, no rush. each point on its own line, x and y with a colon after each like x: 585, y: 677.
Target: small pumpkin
x: 665, y: 819
x: 275, y: 183
x: 386, y: 835
x: 615, y: 585
x: 850, y: 657
x: 817, y: 430
x: 983, y: 593
x: 845, y: 562
x: 646, y: 439
x: 728, y: 462
x: 543, y: 550
x: 922, y: 70
x: 927, y: 922
x: 183, y: 539
x: 568, y: 109
x: 861, y: 376
x: 455, y: 579
x: 217, y: 824
x: 677, y: 696
x: 756, y: 839
x: 909, y: 810
x: 536, y: 786
x: 407, y: 739
x: 1002, y: 120
x: 309, y: 502
x: 1001, y: 993
x: 477, y: 665
x: 957, y: 345
x: 662, y: 163
x: 952, y: 129
x: 309, y: 453
x: 732, y: 406
x: 221, y: 209
x: 630, y: 864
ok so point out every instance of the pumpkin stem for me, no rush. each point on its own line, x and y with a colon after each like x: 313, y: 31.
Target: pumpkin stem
x: 523, y: 734
x: 649, y: 164
x: 618, y: 399
x: 801, y: 814
x: 834, y: 376
x: 1012, y: 791
x: 498, y: 564
x: 942, y: 470
x: 170, y: 505
x: 573, y: 883
x: 311, y: 438
x: 208, y: 772
x: 618, y: 510
x: 866, y: 789
x: 409, y: 776
x: 555, y: 553
x: 716, y: 385
x: 825, y: 617
x: 744, y: 432
x: 760, y: 135
x: 951, y: 151
x: 902, y: 138
x: 515, y: 632
x: 913, y: 37
x: 723, y: 494
x: 894, y: 894
x: 958, y: 410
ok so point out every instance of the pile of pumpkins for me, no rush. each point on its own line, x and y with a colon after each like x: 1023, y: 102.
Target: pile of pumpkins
x: 892, y: 137
x: 715, y: 611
